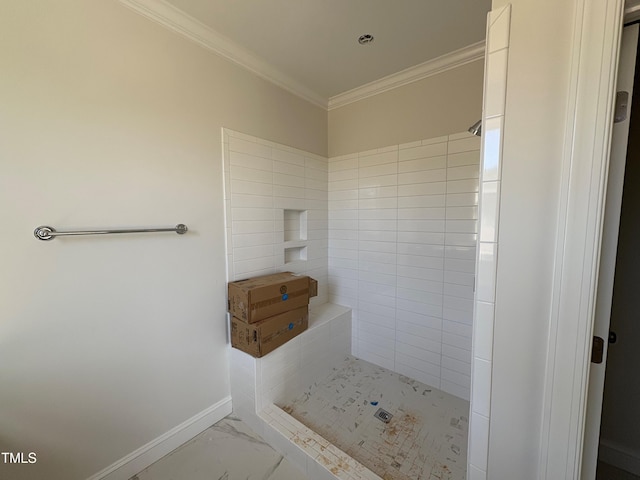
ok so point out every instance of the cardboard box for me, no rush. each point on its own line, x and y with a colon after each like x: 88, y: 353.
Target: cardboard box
x: 260, y: 338
x: 258, y: 298
x: 313, y: 287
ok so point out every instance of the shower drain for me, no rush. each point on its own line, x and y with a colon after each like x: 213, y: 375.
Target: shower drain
x: 383, y: 415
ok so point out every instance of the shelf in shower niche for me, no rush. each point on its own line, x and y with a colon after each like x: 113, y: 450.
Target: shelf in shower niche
x: 295, y: 244
x: 295, y: 254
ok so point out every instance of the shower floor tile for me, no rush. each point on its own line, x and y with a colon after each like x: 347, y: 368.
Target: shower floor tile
x: 425, y: 439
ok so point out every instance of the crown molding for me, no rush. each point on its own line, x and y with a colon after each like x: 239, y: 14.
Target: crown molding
x: 174, y: 19
x: 179, y: 22
x: 440, y: 64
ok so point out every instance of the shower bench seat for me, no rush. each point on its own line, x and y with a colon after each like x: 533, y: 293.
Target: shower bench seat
x: 258, y: 385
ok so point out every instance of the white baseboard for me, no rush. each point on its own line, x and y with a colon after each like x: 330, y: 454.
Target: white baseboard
x: 620, y: 457
x: 144, y: 456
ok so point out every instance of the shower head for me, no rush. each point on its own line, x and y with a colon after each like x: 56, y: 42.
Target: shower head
x: 476, y: 128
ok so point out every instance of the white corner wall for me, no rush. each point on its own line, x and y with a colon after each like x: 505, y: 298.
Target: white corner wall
x: 535, y: 125
x: 402, y: 248
x: 109, y: 120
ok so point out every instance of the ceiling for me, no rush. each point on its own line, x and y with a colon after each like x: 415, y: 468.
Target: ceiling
x: 315, y: 42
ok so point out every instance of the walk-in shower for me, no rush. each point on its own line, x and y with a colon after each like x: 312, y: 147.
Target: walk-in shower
x: 378, y: 387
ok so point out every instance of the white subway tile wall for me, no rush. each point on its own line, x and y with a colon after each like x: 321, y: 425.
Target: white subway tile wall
x: 276, y: 210
x: 495, y: 84
x: 390, y: 233
x: 403, y: 225
x: 264, y: 221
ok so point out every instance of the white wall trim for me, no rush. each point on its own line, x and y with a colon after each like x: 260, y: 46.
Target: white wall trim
x: 596, y: 43
x: 619, y: 456
x: 144, y: 456
x: 176, y: 20
x: 438, y: 65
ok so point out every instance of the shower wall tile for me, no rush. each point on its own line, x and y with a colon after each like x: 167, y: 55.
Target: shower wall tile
x: 478, y: 441
x: 483, y: 331
x: 248, y: 146
x: 262, y: 179
x: 402, y: 255
x: 492, y: 149
x: 486, y: 278
x: 455, y: 389
x: 459, y: 291
x: 444, y: 138
x: 423, y: 164
x: 377, y: 256
x: 376, y: 354
x: 495, y: 84
x: 482, y: 386
x: 462, y: 159
x: 466, y: 143
x: 460, y: 238
x: 457, y: 380
x: 475, y: 473
x: 489, y: 220
x: 343, y: 231
x: 418, y: 373
x: 499, y: 29
x: 427, y: 150
x: 459, y: 352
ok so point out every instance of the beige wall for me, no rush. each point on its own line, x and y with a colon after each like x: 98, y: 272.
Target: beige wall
x: 108, y: 120
x: 438, y: 105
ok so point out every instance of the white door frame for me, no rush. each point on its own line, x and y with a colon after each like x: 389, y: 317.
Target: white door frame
x: 596, y: 44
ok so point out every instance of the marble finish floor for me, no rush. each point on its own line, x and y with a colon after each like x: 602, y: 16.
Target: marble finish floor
x: 426, y: 438
x: 228, y: 450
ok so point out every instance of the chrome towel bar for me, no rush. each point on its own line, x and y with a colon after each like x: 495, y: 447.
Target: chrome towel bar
x: 49, y: 233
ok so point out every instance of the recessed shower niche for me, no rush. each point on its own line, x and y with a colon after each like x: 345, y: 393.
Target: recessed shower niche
x: 295, y: 225
x: 295, y: 235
